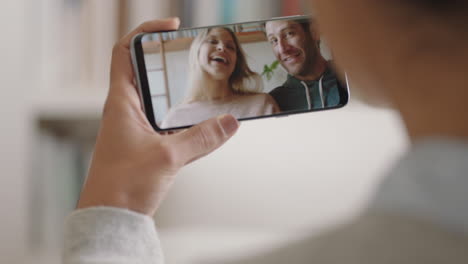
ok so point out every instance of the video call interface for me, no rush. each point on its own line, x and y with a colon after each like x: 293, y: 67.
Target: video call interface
x: 247, y: 70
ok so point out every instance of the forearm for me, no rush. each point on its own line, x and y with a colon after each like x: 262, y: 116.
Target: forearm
x: 111, y: 235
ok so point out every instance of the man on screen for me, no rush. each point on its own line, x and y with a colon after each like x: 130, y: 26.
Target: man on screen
x: 311, y: 84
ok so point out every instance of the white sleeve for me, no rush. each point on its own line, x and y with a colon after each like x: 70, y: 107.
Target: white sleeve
x: 110, y: 235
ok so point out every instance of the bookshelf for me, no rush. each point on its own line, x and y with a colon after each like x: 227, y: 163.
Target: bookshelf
x: 184, y: 43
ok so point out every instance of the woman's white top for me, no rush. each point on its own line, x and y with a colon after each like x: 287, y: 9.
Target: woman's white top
x: 242, y: 106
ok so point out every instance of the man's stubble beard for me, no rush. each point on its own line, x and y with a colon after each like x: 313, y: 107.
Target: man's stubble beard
x: 311, y: 55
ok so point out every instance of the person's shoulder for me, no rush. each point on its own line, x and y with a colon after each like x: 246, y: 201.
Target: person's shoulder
x: 260, y: 98
x: 177, y: 114
x: 277, y: 90
x: 268, y: 99
x: 177, y: 109
x: 291, y: 82
x: 374, y: 237
x: 186, y: 107
x: 260, y: 103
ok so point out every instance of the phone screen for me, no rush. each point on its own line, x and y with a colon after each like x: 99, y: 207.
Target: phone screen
x: 250, y: 70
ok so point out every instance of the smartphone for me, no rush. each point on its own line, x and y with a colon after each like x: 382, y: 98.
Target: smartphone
x: 251, y: 70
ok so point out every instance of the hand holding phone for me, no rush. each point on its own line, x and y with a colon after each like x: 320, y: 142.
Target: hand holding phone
x: 250, y: 70
x: 133, y: 166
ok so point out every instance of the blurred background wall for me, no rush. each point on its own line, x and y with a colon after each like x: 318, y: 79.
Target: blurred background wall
x: 277, y: 180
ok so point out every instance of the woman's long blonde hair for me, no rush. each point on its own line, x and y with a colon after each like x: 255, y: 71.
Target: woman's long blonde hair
x: 242, y: 80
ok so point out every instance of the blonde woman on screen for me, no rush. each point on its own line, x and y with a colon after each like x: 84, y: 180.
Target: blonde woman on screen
x: 221, y: 82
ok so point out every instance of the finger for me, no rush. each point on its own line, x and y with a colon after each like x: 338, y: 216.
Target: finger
x: 151, y: 26
x: 202, y: 139
x: 121, y: 67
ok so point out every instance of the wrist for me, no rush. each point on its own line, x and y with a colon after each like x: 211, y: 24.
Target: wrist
x: 100, y: 190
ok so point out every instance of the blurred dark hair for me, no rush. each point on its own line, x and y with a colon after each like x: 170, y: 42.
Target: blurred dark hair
x: 439, y: 4
x: 305, y: 24
x: 440, y: 7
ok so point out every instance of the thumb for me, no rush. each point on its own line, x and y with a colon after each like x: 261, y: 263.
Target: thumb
x: 204, y: 138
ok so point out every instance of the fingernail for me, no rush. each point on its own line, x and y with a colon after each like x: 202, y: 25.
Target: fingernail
x: 172, y: 18
x: 229, y: 124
